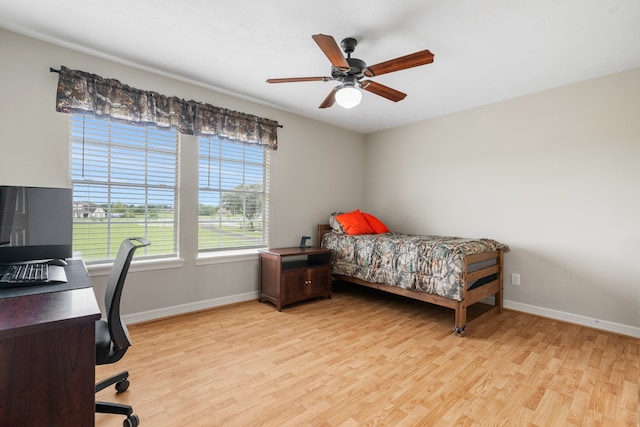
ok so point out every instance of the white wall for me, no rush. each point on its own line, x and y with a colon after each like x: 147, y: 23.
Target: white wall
x: 34, y: 150
x: 555, y: 175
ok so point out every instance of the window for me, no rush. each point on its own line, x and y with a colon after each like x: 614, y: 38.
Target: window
x: 233, y: 196
x: 124, y: 185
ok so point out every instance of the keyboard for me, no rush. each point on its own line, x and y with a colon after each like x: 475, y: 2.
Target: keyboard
x: 32, y: 274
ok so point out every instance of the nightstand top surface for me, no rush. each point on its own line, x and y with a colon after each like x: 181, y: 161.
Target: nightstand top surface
x: 295, y: 250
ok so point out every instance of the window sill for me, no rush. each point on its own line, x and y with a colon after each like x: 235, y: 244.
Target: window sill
x: 145, y: 265
x: 168, y: 263
x: 227, y: 256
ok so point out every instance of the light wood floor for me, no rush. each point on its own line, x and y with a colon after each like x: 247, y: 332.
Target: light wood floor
x: 366, y: 358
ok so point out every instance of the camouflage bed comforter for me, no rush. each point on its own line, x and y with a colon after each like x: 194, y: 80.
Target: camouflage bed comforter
x: 432, y: 264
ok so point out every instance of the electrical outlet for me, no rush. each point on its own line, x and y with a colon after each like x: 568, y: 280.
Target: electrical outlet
x: 515, y: 279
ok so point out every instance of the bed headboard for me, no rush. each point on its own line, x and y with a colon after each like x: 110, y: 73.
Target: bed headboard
x: 322, y: 228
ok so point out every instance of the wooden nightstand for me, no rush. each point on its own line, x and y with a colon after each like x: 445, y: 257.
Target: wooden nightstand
x: 289, y: 275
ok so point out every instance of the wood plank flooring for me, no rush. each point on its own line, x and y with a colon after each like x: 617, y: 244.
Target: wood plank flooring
x: 367, y: 358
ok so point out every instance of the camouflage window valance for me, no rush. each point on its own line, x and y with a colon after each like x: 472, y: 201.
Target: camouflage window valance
x: 82, y: 92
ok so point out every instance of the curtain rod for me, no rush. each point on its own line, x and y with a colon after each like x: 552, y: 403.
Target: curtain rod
x: 53, y: 70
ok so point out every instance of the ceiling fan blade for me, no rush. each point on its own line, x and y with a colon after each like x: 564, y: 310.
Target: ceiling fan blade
x: 330, y: 99
x: 300, y: 79
x: 332, y: 50
x: 382, y: 90
x: 408, y: 61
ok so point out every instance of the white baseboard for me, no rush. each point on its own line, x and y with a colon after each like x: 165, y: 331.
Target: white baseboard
x: 577, y: 319
x: 176, y: 310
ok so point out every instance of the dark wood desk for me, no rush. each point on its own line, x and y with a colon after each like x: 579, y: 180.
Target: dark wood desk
x: 47, y: 356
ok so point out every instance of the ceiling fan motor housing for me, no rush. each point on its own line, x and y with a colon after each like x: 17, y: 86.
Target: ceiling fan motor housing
x: 357, y: 69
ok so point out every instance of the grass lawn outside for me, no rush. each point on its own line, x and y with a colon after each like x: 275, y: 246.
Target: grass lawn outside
x: 89, y: 236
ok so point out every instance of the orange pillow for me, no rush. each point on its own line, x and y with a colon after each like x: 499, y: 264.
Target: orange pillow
x: 354, y: 223
x: 377, y: 225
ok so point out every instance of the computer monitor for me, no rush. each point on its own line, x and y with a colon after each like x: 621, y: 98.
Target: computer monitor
x: 7, y: 210
x: 35, y: 223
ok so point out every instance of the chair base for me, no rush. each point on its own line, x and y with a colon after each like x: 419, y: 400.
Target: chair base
x: 120, y: 380
x: 122, y: 383
x: 113, y: 408
x: 132, y: 420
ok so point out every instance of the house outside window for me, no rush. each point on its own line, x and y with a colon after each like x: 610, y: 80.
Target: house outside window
x: 125, y: 181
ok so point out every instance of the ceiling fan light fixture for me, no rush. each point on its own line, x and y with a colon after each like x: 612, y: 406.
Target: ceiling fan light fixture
x: 348, y: 96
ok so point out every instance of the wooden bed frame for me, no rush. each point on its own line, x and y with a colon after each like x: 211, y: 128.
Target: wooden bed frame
x: 469, y: 296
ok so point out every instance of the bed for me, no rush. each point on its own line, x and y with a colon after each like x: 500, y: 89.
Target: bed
x: 448, y: 271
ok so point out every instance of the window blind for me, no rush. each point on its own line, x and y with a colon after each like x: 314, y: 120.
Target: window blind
x: 233, y: 196
x: 124, y: 185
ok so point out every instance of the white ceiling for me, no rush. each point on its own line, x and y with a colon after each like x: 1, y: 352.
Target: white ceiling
x: 485, y: 51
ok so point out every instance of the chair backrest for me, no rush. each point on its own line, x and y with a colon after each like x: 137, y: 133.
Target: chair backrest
x: 115, y: 283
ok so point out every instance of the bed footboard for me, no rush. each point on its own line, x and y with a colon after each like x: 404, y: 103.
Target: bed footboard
x: 480, y: 283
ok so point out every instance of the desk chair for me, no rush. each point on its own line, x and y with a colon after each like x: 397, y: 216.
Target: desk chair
x: 112, y: 336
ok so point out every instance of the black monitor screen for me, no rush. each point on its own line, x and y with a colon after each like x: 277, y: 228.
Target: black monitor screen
x: 35, y: 223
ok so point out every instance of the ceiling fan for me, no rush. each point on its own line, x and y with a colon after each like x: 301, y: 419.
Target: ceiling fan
x: 351, y: 71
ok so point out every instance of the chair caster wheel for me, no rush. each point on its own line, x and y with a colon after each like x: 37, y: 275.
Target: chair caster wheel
x: 131, y: 421
x: 122, y: 386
